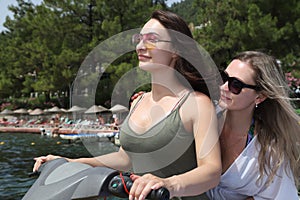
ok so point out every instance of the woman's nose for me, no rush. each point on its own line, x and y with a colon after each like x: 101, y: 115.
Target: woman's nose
x: 141, y: 46
x: 225, y: 86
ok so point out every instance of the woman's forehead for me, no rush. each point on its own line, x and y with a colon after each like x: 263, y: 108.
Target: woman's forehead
x: 154, y: 26
x: 241, y: 70
x: 239, y: 66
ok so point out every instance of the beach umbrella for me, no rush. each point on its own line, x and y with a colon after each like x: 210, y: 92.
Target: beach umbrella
x: 55, y: 109
x: 7, y: 112
x: 77, y: 112
x: 63, y: 110
x: 45, y: 110
x: 76, y: 109
x: 95, y: 109
x: 36, y: 111
x: 119, y: 112
x: 118, y: 108
x: 21, y: 111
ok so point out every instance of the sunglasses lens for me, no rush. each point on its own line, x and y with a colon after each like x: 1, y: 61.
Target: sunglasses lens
x: 235, y: 86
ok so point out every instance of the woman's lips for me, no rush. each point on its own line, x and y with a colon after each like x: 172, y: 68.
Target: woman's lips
x: 225, y: 97
x: 144, y: 58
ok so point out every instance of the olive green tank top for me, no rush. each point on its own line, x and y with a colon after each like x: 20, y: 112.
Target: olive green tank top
x: 166, y: 149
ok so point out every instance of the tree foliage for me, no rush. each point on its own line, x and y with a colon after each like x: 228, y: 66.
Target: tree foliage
x: 44, y: 45
x: 227, y: 27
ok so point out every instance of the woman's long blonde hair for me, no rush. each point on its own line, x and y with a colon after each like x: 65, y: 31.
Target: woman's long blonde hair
x: 276, y: 122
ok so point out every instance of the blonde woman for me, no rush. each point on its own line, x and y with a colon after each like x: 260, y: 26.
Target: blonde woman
x: 261, y: 134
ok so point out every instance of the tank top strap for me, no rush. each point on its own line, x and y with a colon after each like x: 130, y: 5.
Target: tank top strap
x: 181, y: 100
x: 138, y: 101
x: 177, y: 105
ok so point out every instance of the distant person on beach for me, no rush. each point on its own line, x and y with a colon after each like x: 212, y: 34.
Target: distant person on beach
x: 260, y: 139
x: 170, y: 137
x: 115, y: 122
x: 101, y: 120
x: 52, y: 122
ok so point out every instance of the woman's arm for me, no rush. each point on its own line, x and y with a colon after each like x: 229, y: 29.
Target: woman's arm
x: 198, y: 116
x: 116, y: 160
x: 205, y: 129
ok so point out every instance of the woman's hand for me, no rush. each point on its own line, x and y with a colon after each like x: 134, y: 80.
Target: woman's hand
x: 135, y: 96
x: 40, y: 160
x: 142, y: 185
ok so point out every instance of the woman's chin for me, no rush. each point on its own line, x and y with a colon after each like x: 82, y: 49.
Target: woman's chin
x: 144, y: 65
x: 223, y: 104
x: 150, y: 66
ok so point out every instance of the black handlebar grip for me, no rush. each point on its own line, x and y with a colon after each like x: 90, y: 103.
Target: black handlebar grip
x: 160, y: 194
x: 117, y: 188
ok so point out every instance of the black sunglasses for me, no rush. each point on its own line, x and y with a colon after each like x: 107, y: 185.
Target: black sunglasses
x: 235, y: 85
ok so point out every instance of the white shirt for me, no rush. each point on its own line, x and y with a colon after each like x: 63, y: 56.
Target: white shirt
x: 240, y: 180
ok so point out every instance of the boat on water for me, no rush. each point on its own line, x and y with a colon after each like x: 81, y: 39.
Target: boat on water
x: 100, y: 136
x: 76, y: 136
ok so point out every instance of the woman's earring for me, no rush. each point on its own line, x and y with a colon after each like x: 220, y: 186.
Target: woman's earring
x: 256, y: 105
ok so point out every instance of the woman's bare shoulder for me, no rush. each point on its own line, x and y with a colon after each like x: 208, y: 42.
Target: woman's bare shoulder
x: 196, y: 104
x: 198, y: 97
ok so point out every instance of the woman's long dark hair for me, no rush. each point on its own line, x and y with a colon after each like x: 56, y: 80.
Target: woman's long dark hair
x: 193, y: 64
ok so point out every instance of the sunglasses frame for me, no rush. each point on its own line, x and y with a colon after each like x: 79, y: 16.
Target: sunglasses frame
x: 141, y: 38
x: 233, y: 82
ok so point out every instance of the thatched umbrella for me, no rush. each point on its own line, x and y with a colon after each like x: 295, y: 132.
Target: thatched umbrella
x: 21, y: 111
x: 95, y: 109
x: 120, y: 111
x: 36, y: 111
x: 63, y: 110
x: 77, y: 109
x: 55, y: 109
x: 7, y: 112
x: 118, y: 108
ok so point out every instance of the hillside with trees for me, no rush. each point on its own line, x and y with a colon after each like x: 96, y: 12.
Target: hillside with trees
x: 44, y: 45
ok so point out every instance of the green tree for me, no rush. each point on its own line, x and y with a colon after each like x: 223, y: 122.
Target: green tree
x: 6, y: 82
x: 47, y: 41
x: 230, y: 26
x: 45, y: 44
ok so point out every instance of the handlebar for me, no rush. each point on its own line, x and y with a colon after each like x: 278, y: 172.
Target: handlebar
x: 105, y: 182
x: 120, y: 185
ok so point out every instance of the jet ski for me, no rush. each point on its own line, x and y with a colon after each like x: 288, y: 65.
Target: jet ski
x: 62, y: 180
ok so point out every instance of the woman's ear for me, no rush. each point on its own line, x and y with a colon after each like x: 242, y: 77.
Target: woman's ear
x: 260, y: 98
x: 174, y: 59
x: 174, y: 53
x: 174, y: 56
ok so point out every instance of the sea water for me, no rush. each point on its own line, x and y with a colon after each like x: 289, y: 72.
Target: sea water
x: 17, y: 151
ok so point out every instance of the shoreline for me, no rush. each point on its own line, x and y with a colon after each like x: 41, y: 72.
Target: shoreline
x: 69, y: 134
x: 54, y: 130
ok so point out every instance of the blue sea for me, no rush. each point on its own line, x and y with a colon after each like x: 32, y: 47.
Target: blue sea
x: 17, y: 151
